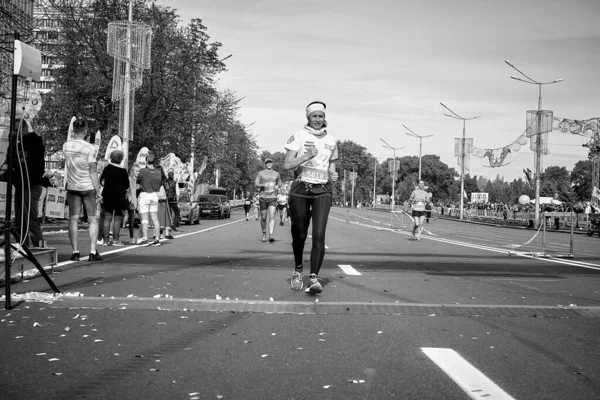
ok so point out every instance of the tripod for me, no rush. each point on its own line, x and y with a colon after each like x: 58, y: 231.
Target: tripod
x: 8, y: 227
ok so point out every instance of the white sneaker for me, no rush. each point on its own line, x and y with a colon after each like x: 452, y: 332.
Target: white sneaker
x: 296, y: 280
x: 314, y: 286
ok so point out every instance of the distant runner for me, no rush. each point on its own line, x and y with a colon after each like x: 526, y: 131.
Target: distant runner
x: 418, y: 199
x: 248, y: 205
x: 267, y: 182
x: 282, y: 206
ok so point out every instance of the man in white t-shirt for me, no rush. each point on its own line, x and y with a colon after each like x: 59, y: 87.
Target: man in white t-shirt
x: 82, y: 186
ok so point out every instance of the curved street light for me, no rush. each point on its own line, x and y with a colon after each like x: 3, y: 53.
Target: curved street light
x: 420, y: 144
x: 462, y: 155
x: 538, y: 145
x: 388, y: 146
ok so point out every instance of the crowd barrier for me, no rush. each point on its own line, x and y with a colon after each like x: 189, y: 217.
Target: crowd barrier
x: 564, y: 218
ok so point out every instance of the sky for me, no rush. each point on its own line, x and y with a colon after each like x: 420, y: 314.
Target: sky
x: 382, y: 64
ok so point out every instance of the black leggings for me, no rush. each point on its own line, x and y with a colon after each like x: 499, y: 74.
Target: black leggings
x: 301, y: 212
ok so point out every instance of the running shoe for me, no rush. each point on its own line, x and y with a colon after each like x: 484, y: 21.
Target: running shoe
x: 314, y: 286
x: 264, y: 237
x: 169, y: 236
x: 418, y: 236
x: 296, y: 280
x: 99, y: 242
x: 175, y: 229
x: 75, y: 256
x: 142, y: 242
x: 95, y: 256
x: 271, y: 239
x: 118, y: 243
x: 155, y: 242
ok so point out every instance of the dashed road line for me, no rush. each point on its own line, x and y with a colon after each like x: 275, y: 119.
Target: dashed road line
x: 348, y: 270
x: 465, y: 375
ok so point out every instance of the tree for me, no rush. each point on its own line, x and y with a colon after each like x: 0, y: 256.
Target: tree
x: 581, y: 180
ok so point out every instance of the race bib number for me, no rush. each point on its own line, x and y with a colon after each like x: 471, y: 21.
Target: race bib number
x: 269, y: 188
x: 313, y: 175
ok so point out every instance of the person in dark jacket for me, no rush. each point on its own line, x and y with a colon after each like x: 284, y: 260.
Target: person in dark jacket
x: 27, y: 178
x: 114, y: 196
x: 172, y: 197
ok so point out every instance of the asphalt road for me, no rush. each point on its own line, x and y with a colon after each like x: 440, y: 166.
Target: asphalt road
x: 211, y: 315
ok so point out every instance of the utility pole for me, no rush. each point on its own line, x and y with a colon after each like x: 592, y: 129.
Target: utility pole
x: 537, y: 159
x: 388, y: 146
x: 420, y: 144
x: 463, y: 154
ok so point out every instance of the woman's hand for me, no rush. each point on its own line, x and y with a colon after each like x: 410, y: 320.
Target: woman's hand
x: 333, y: 176
x: 311, y: 152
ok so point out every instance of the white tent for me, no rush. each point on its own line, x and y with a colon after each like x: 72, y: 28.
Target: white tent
x: 547, y: 200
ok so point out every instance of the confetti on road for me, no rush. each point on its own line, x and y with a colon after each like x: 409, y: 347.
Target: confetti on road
x: 156, y: 296
x: 265, y: 355
x: 54, y: 359
x: 129, y: 295
x: 36, y: 324
x: 98, y: 340
x: 356, y: 381
x: 326, y: 386
x: 67, y: 329
x: 57, y: 373
x: 154, y: 370
x: 379, y: 332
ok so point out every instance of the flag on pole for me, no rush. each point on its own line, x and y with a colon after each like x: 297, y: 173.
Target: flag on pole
x: 465, y: 194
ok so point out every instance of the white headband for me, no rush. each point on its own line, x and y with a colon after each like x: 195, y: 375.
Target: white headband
x: 314, y: 107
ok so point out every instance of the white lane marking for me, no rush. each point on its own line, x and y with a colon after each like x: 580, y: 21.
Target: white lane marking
x: 348, y: 270
x: 573, y: 263
x: 469, y: 378
x: 310, y: 236
x: 132, y: 247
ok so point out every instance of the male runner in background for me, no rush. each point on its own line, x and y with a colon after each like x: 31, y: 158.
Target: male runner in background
x: 418, y: 198
x: 267, y: 182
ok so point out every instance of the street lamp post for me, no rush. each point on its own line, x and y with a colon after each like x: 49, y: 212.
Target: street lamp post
x: 462, y: 157
x: 538, y: 145
x: 420, y: 144
x: 388, y: 146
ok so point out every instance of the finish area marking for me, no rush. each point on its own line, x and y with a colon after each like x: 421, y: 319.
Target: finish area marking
x: 348, y: 270
x: 466, y: 376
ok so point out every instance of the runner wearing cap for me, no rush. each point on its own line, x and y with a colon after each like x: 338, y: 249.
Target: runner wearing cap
x: 311, y: 153
x: 267, y: 182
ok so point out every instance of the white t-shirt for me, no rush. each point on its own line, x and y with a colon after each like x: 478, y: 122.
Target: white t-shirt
x: 315, y: 170
x: 78, y: 155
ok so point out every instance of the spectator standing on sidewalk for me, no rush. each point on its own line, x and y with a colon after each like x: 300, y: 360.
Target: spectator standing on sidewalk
x: 102, y: 163
x: 172, y: 198
x: 132, y: 196
x: 115, y: 185
x: 82, y: 186
x: 27, y: 177
x: 150, y: 180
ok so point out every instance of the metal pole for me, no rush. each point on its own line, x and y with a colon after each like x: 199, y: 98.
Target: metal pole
x: 127, y: 98
x: 344, y: 187
x: 374, y: 184
x: 420, y: 150
x: 462, y: 173
x: 538, y: 160
x: 352, y: 180
x: 394, y: 181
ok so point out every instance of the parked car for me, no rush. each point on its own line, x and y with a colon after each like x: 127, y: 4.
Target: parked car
x: 214, y: 205
x: 189, y: 211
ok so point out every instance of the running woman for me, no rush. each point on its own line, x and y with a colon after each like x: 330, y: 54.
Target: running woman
x: 282, y: 203
x: 311, y: 152
x: 248, y: 205
x: 267, y: 182
x: 418, y: 199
